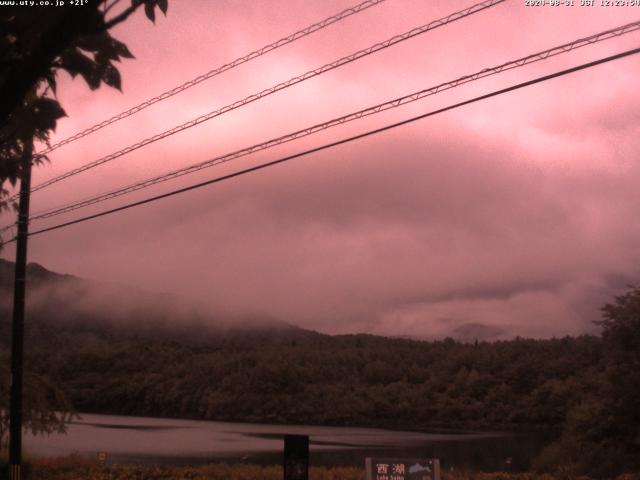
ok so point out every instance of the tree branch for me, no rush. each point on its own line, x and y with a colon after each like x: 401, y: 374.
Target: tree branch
x: 106, y: 8
x: 124, y: 15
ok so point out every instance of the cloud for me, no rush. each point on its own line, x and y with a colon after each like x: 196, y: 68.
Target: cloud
x: 516, y: 213
x: 389, y: 237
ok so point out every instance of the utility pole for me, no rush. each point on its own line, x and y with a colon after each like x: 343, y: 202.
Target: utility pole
x: 17, y: 330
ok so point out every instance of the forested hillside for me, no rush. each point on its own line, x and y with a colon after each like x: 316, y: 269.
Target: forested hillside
x: 353, y: 380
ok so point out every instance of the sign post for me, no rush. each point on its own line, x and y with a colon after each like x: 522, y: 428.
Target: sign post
x: 296, y: 457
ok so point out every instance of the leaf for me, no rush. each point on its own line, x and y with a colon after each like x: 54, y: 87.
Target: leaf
x: 149, y: 10
x: 46, y: 112
x: 111, y: 76
x: 103, y: 44
x: 41, y: 159
x: 51, y: 80
x: 75, y: 62
x: 92, y: 43
x: 33, y: 120
x: 94, y: 70
x: 121, y: 48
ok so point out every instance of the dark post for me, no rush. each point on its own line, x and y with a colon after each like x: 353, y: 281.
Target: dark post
x: 17, y: 330
x: 296, y: 457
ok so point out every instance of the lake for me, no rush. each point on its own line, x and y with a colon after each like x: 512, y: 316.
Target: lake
x: 170, y: 441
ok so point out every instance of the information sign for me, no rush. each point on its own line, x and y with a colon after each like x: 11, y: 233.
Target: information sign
x: 402, y: 469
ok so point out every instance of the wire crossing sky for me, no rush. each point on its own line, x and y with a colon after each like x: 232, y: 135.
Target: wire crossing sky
x: 394, y: 103
x: 281, y: 86
x: 343, y: 141
x: 217, y: 71
x: 490, y: 220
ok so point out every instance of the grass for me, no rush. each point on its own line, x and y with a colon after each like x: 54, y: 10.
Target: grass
x: 81, y: 468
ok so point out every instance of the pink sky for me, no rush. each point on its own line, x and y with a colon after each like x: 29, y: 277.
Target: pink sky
x: 519, y: 212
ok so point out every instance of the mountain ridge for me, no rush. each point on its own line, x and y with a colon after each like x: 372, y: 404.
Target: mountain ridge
x: 64, y: 303
x: 75, y: 302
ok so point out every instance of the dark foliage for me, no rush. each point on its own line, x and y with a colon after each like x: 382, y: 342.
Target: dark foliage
x: 601, y: 436
x: 34, y: 48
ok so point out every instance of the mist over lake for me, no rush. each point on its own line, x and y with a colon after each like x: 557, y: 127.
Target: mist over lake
x: 172, y: 441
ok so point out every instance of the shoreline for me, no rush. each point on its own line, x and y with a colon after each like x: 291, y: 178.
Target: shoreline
x: 76, y: 468
x: 497, y: 430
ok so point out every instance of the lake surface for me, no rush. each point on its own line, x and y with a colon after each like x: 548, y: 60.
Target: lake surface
x: 155, y: 440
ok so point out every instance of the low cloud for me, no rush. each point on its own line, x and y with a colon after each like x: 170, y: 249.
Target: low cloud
x: 518, y: 214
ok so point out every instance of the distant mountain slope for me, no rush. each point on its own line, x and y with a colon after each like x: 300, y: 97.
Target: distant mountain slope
x: 97, y: 311
x: 35, y: 273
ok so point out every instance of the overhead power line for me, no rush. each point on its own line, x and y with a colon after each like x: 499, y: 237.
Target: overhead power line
x: 529, y: 59
x: 293, y: 81
x: 340, y: 142
x: 217, y: 71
